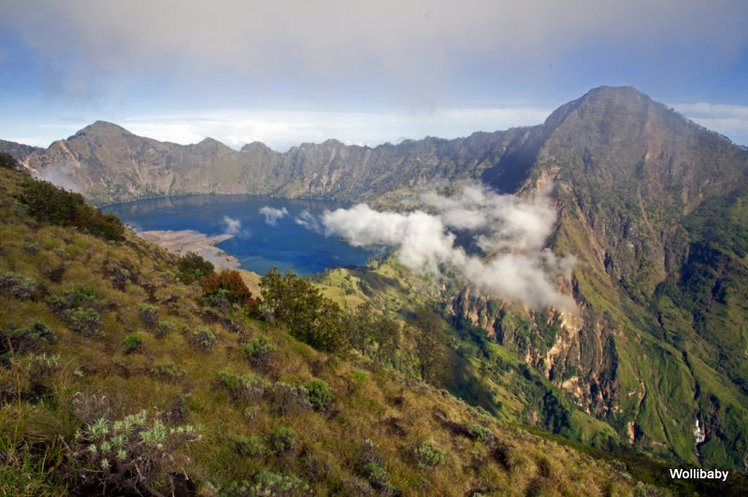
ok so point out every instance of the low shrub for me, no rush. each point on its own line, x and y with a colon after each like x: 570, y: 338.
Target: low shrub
x: 370, y: 465
x: 28, y: 376
x: 120, y: 277
x: 243, y: 388
x: 482, y: 434
x: 287, y: 399
x: 267, y: 484
x: 177, y: 411
x: 204, y: 338
x: 16, y: 286
x: 258, y: 351
x: 167, y: 370
x: 428, y: 455
x: 84, y: 321
x: 378, y: 477
x: 319, y: 394
x: 248, y: 446
x: 30, y: 247
x: 28, y: 338
x: 133, y: 342
x: 78, y: 296
x: 358, y: 487
x: 135, y: 454
x: 250, y: 413
x: 164, y: 327
x: 282, y: 440
x: 148, y: 314
x: 54, y: 274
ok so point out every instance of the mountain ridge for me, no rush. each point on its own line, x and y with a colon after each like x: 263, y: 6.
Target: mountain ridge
x: 110, y: 164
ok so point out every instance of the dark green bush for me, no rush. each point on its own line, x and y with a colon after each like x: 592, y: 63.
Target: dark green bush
x: 248, y: 446
x: 49, y: 204
x: 84, y: 321
x: 282, y: 440
x: 193, y: 267
x: 310, y: 316
x: 258, y: 351
x: 7, y: 161
x: 320, y: 395
x: 133, y: 342
x: 29, y: 338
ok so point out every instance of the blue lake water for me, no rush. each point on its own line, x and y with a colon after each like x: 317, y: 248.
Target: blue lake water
x: 267, y: 231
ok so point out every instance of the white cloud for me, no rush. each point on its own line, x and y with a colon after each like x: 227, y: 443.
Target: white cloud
x: 512, y: 231
x: 308, y: 220
x: 63, y: 175
x: 272, y: 215
x: 232, y: 226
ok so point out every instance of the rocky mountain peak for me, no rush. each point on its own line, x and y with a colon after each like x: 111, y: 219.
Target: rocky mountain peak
x: 102, y: 128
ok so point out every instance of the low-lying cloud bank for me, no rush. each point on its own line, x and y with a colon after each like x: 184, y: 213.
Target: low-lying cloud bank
x: 511, y: 232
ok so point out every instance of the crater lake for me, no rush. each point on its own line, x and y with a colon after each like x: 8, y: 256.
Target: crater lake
x: 266, y: 232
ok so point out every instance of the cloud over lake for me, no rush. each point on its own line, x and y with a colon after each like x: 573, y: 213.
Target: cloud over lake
x: 510, y: 231
x: 272, y: 215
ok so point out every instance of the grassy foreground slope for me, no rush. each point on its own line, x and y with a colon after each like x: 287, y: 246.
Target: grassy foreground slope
x: 116, y: 377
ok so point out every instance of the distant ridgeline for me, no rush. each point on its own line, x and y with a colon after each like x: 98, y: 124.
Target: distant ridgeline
x: 653, y: 207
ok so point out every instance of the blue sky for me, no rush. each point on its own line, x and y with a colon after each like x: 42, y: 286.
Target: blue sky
x: 286, y: 72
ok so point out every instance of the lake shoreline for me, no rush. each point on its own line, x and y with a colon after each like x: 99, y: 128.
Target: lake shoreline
x: 182, y: 242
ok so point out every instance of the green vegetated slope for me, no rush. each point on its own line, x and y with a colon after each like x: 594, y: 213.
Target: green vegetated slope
x: 653, y: 209
x: 472, y: 365
x: 117, y: 377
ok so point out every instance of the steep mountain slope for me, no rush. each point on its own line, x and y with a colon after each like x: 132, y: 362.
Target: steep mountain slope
x: 653, y: 207
x: 116, y: 377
